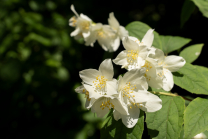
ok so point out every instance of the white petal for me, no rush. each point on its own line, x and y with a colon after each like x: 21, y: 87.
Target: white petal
x: 129, y: 44
x: 85, y: 17
x: 151, y: 51
x: 155, y: 82
x: 140, y: 62
x: 75, y: 32
x: 112, y: 21
x: 141, y: 96
x: 73, y: 10
x: 105, y: 47
x: 88, y: 104
x: 142, y: 84
x: 111, y: 87
x: 89, y: 75
x: 97, y: 26
x: 99, y: 111
x: 106, y: 68
x: 80, y: 89
x: 159, y: 55
x: 115, y: 43
x: 86, y: 34
x: 174, y: 63
x: 92, y: 93
x: 168, y: 80
x: 143, y: 51
x: 122, y: 32
x: 91, y: 38
x: 121, y: 59
x: 104, y: 43
x: 153, y: 104
x: 116, y: 115
x: 132, y: 76
x: 148, y: 38
x: 130, y: 120
x: 119, y: 107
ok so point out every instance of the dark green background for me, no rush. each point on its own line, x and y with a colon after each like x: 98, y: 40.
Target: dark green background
x: 40, y: 62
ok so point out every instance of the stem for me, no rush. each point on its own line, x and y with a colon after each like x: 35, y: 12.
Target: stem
x: 169, y: 94
x: 163, y: 93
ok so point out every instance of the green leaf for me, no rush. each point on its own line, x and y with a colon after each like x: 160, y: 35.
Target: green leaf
x: 113, y: 129
x: 191, y: 53
x: 196, y: 118
x: 187, y: 10
x: 190, y: 78
x: 168, y: 120
x: 203, y: 70
x: 172, y: 43
x: 138, y: 29
x: 203, y: 6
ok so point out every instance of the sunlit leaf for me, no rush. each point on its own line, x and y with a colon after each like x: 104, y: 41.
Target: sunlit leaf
x: 191, y: 53
x: 203, y: 6
x: 167, y: 122
x: 190, y: 78
x: 196, y: 118
x: 172, y: 43
x: 203, y: 70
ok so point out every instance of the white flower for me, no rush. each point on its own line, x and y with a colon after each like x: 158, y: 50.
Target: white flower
x: 102, y: 88
x: 114, y: 24
x: 105, y: 36
x: 135, y: 54
x: 170, y: 64
x: 82, y: 24
x: 132, y: 88
x: 152, y: 68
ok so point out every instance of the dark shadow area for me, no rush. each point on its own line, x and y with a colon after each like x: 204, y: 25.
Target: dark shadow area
x: 177, y: 74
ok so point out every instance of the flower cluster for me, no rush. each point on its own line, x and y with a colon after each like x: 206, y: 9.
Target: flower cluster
x: 108, y: 36
x: 146, y: 65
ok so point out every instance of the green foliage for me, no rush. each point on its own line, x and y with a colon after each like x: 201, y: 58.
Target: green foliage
x: 187, y: 10
x: 196, y: 118
x: 167, y: 122
x: 203, y: 6
x: 113, y: 129
x: 172, y: 43
x: 191, y: 79
x: 203, y: 70
x: 191, y: 53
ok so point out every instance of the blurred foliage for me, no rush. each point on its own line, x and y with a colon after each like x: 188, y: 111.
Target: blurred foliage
x: 40, y: 62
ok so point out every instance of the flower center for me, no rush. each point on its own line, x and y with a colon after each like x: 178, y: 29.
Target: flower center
x: 86, y: 94
x: 73, y: 21
x: 85, y: 25
x: 147, y: 65
x: 100, y: 84
x: 132, y: 56
x: 101, y: 34
x: 106, y: 104
x: 127, y: 93
x: 135, y: 105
